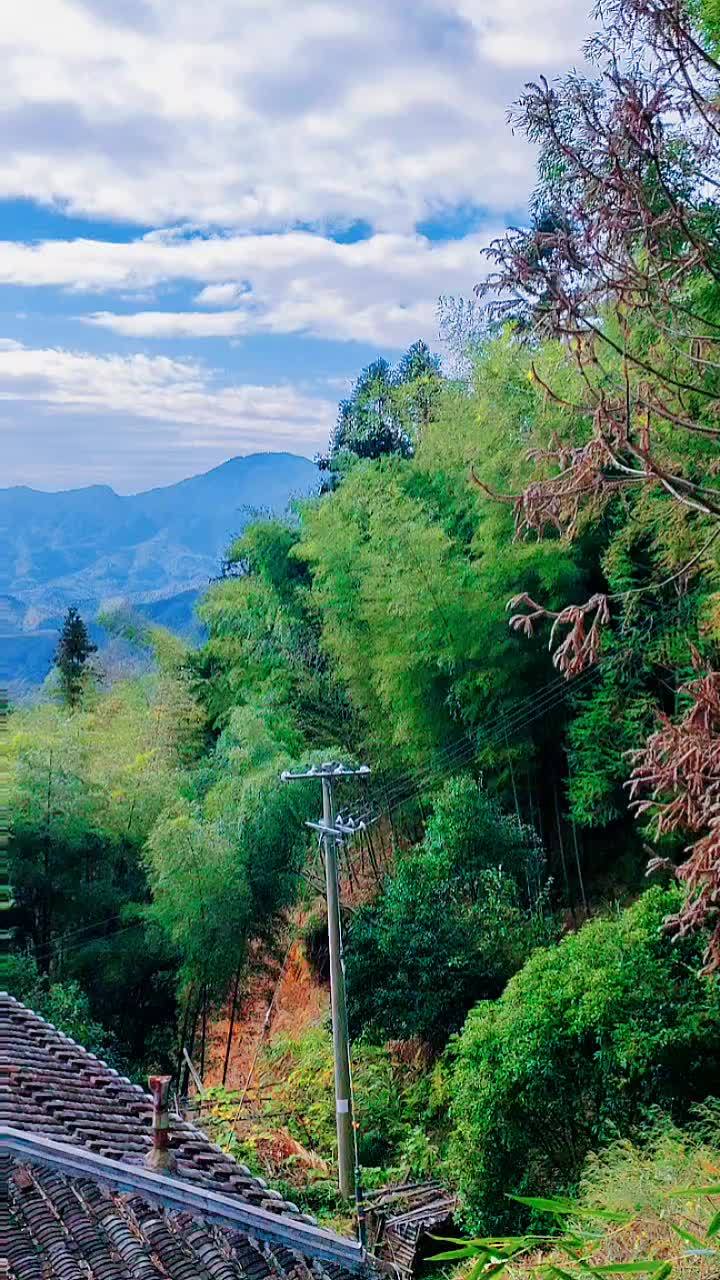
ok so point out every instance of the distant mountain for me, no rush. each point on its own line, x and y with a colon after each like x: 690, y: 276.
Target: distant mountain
x: 156, y: 549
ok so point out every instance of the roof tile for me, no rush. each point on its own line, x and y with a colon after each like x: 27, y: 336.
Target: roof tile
x: 55, y: 1226
x: 52, y: 1086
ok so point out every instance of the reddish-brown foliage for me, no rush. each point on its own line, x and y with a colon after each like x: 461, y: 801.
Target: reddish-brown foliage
x: 626, y: 227
x: 579, y: 648
x: 676, y: 779
x: 623, y: 247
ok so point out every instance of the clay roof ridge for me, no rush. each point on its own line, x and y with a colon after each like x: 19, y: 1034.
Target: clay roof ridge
x: 172, y: 1193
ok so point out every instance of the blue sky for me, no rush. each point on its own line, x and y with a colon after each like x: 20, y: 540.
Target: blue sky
x: 212, y: 216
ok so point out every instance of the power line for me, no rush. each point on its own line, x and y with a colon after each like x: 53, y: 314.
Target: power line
x: 72, y: 933
x: 516, y: 719
x: 79, y: 945
x: 527, y: 712
x: 456, y: 756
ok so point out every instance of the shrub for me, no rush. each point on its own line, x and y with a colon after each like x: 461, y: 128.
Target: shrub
x: 65, y: 1004
x: 316, y: 945
x: 307, y: 1096
x: 585, y: 1038
x: 470, y: 833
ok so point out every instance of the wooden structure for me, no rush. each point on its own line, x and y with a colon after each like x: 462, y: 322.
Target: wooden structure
x: 400, y: 1221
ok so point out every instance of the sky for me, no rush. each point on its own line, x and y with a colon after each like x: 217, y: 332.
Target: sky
x: 213, y: 216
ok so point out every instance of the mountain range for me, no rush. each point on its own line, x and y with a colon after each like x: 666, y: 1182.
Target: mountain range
x: 155, y: 550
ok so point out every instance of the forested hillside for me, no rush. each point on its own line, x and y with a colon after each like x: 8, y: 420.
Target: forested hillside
x: 520, y: 996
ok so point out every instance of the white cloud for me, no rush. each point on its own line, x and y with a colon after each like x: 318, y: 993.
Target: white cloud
x: 265, y: 113
x: 325, y: 316
x: 224, y: 126
x: 382, y: 290
x: 222, y: 295
x: 160, y: 390
x: 514, y: 37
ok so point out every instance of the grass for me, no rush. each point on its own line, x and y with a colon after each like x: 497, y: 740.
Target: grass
x: 644, y: 1181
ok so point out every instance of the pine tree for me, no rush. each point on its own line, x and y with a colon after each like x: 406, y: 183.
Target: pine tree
x: 71, y: 657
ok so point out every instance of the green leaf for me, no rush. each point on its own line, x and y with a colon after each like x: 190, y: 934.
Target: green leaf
x: 452, y: 1239
x: 714, y: 1226
x: 546, y: 1204
x: 630, y: 1269
x: 691, y: 1193
x: 480, y: 1269
x: 571, y: 1208
x: 469, y: 1251
x: 688, y: 1236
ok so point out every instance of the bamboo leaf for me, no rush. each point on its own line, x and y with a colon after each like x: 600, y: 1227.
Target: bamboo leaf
x: 546, y: 1204
x: 688, y: 1236
x: 630, y: 1269
x: 480, y: 1269
x: 570, y: 1208
x: 451, y: 1255
x: 693, y: 1193
x: 714, y: 1226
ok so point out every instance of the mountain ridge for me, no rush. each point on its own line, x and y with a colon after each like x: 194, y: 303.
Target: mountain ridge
x: 89, y: 545
x: 222, y: 467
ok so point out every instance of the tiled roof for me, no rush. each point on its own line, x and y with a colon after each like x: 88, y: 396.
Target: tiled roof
x: 57, y: 1227
x: 56, y: 1089
x: 78, y: 1203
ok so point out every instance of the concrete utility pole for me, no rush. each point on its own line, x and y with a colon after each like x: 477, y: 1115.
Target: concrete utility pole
x: 329, y: 774
x: 341, y: 1043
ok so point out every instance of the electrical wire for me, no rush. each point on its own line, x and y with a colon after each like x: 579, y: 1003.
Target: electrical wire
x: 524, y: 713
x: 72, y: 933
x: 78, y: 945
x: 514, y: 720
x: 534, y: 708
x: 452, y: 758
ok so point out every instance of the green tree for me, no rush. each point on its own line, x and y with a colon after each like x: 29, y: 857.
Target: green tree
x: 66, y: 1005
x: 418, y: 385
x: 591, y: 1033
x: 85, y: 791
x: 263, y: 648
x: 453, y: 921
x: 619, y: 263
x: 386, y: 411
x: 223, y: 864
x: 74, y: 649
x: 200, y: 897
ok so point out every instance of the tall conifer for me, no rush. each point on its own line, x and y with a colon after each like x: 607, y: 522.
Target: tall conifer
x: 71, y: 657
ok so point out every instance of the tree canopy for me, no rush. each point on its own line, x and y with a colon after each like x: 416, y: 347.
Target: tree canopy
x: 386, y: 411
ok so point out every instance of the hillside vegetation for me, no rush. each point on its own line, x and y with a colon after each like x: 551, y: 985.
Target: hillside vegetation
x: 521, y: 1001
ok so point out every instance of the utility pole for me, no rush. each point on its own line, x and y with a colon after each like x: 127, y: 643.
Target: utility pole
x: 341, y: 1045
x: 330, y: 773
